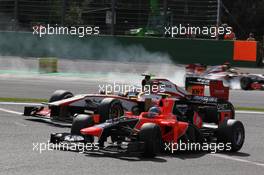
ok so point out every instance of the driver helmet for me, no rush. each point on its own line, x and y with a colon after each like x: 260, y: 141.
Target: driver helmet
x: 154, y: 111
x: 228, y: 65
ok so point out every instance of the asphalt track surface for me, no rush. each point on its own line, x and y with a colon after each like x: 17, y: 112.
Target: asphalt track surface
x: 18, y: 133
x: 19, y: 156
x: 19, y: 77
x: 43, y: 86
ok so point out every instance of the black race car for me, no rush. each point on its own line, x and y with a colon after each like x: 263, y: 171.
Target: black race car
x: 63, y: 106
x: 230, y: 76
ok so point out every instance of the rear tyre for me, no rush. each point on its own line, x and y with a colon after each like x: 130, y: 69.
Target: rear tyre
x: 232, y: 132
x: 110, y: 108
x: 150, y: 134
x: 60, y: 95
x: 193, y: 134
x: 245, y: 83
x: 80, y: 122
x: 192, y: 137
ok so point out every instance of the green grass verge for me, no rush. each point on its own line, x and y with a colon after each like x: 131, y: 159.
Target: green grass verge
x: 26, y: 100
x: 39, y: 100
x: 241, y: 108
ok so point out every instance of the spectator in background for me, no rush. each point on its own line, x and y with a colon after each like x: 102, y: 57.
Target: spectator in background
x: 251, y: 37
x: 222, y: 35
x: 145, y: 81
x: 230, y: 36
x: 226, y: 66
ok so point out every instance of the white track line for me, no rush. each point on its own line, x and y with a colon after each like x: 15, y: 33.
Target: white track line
x: 19, y: 103
x: 238, y: 159
x: 14, y: 112
x: 10, y: 111
x: 249, y: 112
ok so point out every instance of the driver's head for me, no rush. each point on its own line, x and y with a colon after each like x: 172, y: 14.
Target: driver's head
x: 156, y: 110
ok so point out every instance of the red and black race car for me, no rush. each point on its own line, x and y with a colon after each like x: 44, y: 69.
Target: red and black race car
x: 230, y: 76
x: 168, y: 122
x: 63, y: 106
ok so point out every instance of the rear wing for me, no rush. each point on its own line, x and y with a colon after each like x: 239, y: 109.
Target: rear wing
x: 195, y: 68
x: 196, y: 86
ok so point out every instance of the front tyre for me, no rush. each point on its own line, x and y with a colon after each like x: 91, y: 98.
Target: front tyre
x: 80, y: 122
x: 110, y: 108
x: 245, y: 83
x: 60, y: 95
x: 150, y: 134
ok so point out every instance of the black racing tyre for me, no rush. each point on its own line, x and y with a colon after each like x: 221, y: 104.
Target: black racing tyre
x: 150, y: 134
x: 245, y: 83
x: 186, y: 83
x: 110, y: 108
x: 60, y: 95
x: 231, y: 132
x: 193, y: 134
x: 81, y: 121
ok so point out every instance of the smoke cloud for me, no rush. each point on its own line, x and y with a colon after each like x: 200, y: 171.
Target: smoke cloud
x: 109, y: 60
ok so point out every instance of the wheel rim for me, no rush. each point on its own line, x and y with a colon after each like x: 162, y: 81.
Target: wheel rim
x: 244, y: 83
x: 115, y: 112
x: 67, y: 96
x: 238, y: 136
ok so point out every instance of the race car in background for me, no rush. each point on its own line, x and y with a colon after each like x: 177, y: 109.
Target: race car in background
x: 63, y: 106
x: 230, y: 76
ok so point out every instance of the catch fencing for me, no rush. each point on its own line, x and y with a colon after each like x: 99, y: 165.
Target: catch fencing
x: 114, y: 17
